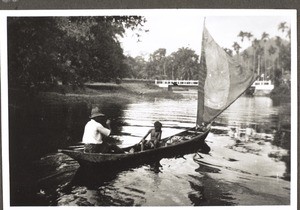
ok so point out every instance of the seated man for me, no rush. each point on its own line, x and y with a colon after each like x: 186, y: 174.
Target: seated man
x: 95, y: 132
x: 155, y: 137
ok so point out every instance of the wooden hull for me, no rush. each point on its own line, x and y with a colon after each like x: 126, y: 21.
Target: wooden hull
x: 111, y: 161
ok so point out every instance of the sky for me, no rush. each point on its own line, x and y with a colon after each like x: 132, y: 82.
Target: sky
x: 183, y: 28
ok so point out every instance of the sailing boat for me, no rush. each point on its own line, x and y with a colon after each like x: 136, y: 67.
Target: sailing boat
x: 221, y: 82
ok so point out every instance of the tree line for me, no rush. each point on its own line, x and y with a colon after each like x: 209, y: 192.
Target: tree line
x: 268, y: 56
x: 182, y: 64
x: 43, y: 51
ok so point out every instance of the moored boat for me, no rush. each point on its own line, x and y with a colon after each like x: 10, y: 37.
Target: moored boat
x: 262, y: 87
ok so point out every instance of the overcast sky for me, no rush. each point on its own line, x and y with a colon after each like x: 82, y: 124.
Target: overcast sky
x: 183, y: 28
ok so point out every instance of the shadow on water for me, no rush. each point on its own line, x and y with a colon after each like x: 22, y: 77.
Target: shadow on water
x: 202, y: 195
x: 282, y: 136
x: 206, y: 192
x: 64, y: 182
x: 95, y: 186
x: 38, y: 128
x: 92, y: 179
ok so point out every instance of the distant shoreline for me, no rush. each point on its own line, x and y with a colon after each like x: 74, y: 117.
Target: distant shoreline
x: 126, y: 92
x: 122, y: 93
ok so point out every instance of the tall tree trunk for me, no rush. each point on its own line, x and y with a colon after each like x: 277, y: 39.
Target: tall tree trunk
x: 254, y: 66
x: 172, y: 73
x: 265, y: 62
x: 258, y: 65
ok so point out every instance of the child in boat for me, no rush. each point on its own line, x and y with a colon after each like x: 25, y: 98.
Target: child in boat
x: 155, y: 137
x: 95, y: 132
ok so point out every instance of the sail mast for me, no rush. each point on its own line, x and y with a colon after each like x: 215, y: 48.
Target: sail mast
x: 201, y: 82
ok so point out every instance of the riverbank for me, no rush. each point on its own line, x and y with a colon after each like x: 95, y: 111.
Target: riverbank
x: 96, y: 93
x: 44, y: 121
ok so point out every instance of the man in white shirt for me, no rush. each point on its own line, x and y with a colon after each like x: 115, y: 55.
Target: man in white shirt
x: 94, y: 132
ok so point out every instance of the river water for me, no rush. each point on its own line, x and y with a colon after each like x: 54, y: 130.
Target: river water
x: 255, y: 171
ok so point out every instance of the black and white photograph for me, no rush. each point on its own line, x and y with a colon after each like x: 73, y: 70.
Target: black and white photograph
x: 149, y: 108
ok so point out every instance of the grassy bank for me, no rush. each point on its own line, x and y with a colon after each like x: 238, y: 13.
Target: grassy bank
x: 97, y: 93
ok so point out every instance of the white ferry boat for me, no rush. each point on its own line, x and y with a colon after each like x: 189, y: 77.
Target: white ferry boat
x: 183, y: 83
x: 258, y: 88
x: 262, y: 87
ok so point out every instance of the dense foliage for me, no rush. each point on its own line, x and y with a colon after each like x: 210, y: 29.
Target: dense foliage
x: 269, y: 56
x: 43, y: 51
x: 73, y: 50
x: 182, y: 64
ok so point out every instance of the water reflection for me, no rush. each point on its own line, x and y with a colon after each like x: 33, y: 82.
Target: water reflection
x: 37, y: 129
x: 250, y: 110
x: 92, y: 179
x: 99, y: 188
x: 202, y: 195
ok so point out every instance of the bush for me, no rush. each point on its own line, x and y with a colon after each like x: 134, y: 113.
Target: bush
x: 282, y: 90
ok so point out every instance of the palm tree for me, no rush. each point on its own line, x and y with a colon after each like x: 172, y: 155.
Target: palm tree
x: 282, y: 26
x: 278, y: 43
x: 236, y: 47
x: 246, y: 56
x: 265, y: 37
x: 249, y: 35
x: 272, y: 50
x: 288, y: 35
x: 242, y: 35
x: 259, y: 52
x: 255, y: 45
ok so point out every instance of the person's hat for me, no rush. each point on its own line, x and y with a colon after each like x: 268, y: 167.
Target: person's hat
x: 96, y: 113
x: 157, y: 124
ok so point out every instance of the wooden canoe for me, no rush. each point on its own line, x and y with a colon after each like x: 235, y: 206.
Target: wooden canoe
x: 186, y: 142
